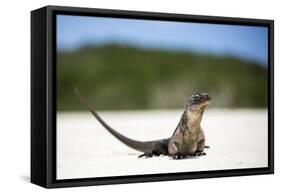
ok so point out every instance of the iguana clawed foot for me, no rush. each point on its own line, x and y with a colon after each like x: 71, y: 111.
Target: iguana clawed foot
x: 178, y: 156
x: 146, y: 155
x: 199, y: 153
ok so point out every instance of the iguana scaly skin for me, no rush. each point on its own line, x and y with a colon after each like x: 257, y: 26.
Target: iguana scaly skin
x: 188, y: 138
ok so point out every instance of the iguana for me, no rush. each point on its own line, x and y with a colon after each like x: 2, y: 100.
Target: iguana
x: 188, y: 138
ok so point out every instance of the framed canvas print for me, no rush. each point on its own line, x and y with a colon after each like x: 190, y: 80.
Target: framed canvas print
x: 125, y: 96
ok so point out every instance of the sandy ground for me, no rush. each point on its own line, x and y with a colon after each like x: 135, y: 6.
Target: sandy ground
x: 237, y: 137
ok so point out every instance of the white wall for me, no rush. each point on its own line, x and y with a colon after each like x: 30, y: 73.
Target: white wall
x: 15, y: 89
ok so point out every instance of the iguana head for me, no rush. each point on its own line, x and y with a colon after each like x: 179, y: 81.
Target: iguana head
x: 198, y: 102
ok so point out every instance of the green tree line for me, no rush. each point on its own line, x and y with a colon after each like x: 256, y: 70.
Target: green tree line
x: 120, y: 77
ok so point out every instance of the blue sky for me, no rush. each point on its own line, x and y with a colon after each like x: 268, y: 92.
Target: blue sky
x: 247, y: 42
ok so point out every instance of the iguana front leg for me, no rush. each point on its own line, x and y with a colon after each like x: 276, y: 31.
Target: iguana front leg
x: 174, y: 151
x: 200, y: 144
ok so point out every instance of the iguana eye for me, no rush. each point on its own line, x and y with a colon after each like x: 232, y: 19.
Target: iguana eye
x: 196, y: 96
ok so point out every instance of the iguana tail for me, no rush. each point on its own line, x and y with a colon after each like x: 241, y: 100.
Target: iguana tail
x: 145, y: 147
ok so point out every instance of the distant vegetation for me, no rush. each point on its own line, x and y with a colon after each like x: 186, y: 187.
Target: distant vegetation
x: 118, y: 77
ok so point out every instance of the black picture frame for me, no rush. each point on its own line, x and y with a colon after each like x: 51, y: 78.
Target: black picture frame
x: 43, y: 96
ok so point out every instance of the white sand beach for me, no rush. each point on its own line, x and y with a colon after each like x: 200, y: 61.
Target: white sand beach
x: 237, y: 137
